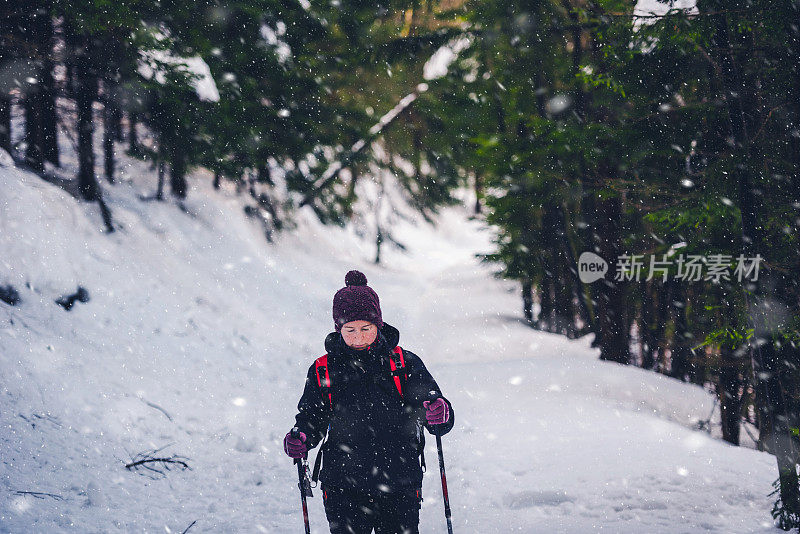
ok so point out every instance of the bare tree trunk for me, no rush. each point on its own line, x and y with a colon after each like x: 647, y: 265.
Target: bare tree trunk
x: 177, y: 176
x: 116, y: 115
x: 108, y: 132
x: 663, y: 292
x: 86, y: 94
x: 50, y: 120
x: 527, y: 299
x: 681, y: 355
x: 611, y: 320
x: 545, y: 318
x: 133, y: 139
x: 46, y: 112
x: 34, y: 152
x: 5, y: 123
x: 587, y: 224
x: 730, y: 381
x: 478, y: 192
x: 378, y: 242
x: 351, y: 191
x: 646, y: 337
x: 562, y: 291
x: 563, y: 301
x: 574, y: 286
x: 162, y: 171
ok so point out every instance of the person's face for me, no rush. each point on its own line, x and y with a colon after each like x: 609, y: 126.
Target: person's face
x: 359, y: 334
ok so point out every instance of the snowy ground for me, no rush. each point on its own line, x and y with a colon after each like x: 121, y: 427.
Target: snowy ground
x: 197, y: 338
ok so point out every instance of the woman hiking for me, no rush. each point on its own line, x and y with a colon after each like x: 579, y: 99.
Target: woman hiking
x: 373, y: 400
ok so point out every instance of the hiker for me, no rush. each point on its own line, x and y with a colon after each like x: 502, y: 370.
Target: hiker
x: 372, y: 399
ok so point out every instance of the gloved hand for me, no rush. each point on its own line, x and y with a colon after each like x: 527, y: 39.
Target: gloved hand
x: 437, y: 412
x: 294, y: 447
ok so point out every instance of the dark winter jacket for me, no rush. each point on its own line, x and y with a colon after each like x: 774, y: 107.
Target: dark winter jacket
x: 374, y: 437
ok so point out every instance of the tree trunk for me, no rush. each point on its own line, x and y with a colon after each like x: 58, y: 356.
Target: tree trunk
x: 565, y: 318
x: 775, y: 421
x: 545, y: 319
x: 264, y: 179
x: 663, y: 292
x: 478, y: 192
x: 587, y: 226
x: 160, y: 187
x: 133, y: 140
x: 572, y: 279
x: 5, y: 123
x: 378, y: 243
x: 177, y: 176
x: 34, y: 151
x: 562, y: 289
x: 85, y: 95
x: 647, y: 340
x: 116, y: 118
x: 49, y: 120
x: 730, y: 381
x: 793, y: 66
x: 347, y: 209
x: 108, y: 134
x: 550, y: 260
x: 681, y: 354
x: 527, y: 299
x: 614, y: 336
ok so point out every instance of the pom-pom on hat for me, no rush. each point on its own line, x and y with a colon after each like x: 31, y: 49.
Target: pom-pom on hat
x: 356, y: 302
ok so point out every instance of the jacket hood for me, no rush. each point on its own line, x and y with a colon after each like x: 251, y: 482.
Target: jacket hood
x: 387, y: 334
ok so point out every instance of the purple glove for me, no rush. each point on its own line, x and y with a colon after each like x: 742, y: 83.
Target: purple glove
x: 295, y: 448
x: 437, y: 412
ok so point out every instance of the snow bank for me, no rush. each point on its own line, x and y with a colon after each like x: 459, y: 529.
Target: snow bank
x: 197, y: 338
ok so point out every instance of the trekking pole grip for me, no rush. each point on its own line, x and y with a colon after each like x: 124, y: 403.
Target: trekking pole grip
x: 295, y: 434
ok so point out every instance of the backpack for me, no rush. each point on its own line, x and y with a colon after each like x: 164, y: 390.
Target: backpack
x: 397, y: 368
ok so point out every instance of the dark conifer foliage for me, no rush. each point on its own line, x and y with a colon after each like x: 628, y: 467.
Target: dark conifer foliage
x: 655, y: 139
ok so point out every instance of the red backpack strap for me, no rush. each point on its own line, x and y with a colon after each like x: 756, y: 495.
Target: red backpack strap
x: 324, y: 378
x: 397, y: 363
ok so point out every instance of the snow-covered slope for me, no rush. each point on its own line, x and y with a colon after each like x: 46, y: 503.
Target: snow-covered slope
x: 197, y: 338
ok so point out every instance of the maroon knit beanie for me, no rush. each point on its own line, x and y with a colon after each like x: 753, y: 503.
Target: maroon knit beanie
x: 356, y: 302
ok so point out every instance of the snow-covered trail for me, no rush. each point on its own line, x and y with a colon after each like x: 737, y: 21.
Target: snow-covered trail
x: 555, y: 441
x: 198, y: 337
x: 549, y: 439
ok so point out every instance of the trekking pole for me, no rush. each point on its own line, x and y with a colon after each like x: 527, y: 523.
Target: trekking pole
x: 305, y: 489
x: 444, y: 485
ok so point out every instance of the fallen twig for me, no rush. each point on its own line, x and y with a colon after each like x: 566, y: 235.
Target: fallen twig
x: 40, y: 494
x: 147, y: 459
x: 156, y: 406
x: 171, y: 460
